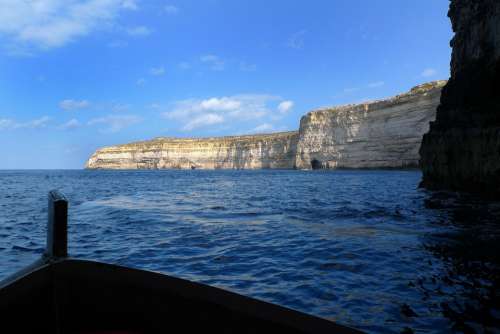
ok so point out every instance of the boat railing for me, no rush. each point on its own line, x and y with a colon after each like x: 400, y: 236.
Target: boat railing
x: 57, y: 226
x: 57, y: 237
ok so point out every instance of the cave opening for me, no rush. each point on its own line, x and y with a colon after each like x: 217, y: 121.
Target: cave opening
x: 316, y: 164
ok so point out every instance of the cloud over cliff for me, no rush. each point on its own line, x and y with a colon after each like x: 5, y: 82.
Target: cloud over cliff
x: 200, y: 113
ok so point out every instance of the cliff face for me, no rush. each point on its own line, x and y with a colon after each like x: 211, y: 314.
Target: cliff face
x: 379, y: 134
x: 246, y: 152
x: 462, y: 149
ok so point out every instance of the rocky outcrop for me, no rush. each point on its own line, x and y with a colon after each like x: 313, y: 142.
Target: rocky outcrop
x: 238, y: 152
x: 462, y: 149
x: 379, y: 134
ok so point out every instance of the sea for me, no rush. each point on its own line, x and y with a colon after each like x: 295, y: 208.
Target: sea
x: 367, y: 249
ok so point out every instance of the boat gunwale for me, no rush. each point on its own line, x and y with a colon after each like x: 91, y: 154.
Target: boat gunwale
x: 55, y: 268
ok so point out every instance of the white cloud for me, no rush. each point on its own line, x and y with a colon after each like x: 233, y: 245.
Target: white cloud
x: 46, y: 24
x: 285, y: 106
x: 114, y: 123
x: 70, y: 104
x: 203, y: 121
x: 350, y: 90
x: 119, y: 107
x: 220, y: 104
x: 71, y: 124
x: 215, y: 62
x: 139, y: 31
x: 296, y: 41
x: 193, y: 113
x: 129, y: 4
x: 376, y: 84
x: 141, y: 82
x: 263, y: 128
x: 7, y: 124
x: 157, y: 71
x: 36, y: 123
x: 428, y: 72
x: 170, y: 9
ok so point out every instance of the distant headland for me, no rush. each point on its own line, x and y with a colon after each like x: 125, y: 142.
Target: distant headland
x: 377, y: 134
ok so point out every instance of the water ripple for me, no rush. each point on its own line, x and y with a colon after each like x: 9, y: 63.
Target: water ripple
x: 365, y: 248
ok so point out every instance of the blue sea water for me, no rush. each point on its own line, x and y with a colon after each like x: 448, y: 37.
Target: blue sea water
x: 364, y: 248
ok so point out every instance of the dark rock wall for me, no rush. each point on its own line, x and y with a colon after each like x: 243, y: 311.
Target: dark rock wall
x: 462, y: 149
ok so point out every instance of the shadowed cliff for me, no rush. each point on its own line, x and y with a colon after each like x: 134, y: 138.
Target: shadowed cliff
x: 462, y: 149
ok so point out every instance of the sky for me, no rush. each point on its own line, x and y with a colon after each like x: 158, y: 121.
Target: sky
x: 76, y: 75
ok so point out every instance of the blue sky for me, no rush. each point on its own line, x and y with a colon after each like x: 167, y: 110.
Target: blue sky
x: 79, y: 75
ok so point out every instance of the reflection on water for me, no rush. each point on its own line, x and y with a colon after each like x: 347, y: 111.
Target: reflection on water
x: 364, y: 248
x: 470, y: 251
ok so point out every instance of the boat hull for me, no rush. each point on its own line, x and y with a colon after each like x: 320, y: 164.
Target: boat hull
x: 79, y: 296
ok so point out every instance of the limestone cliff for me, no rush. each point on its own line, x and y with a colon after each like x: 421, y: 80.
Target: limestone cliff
x: 462, y: 149
x: 379, y: 134
x: 238, y: 152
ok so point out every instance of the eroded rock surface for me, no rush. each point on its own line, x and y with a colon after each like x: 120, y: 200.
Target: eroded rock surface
x: 238, y: 152
x: 462, y: 149
x: 378, y: 134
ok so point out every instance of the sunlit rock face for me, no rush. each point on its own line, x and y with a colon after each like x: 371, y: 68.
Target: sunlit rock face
x: 239, y: 152
x: 379, y: 134
x: 462, y: 149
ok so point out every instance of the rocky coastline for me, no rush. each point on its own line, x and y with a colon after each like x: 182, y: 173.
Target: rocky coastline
x: 377, y: 134
x: 462, y: 149
x: 276, y: 150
